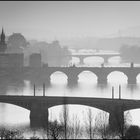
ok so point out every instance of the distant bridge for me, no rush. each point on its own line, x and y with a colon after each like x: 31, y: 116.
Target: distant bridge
x: 105, y: 56
x: 39, y: 105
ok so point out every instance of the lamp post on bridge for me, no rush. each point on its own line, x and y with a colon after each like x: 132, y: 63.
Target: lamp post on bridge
x: 119, y: 91
x: 43, y: 89
x: 131, y: 64
x: 112, y: 92
x: 102, y: 65
x: 34, y: 89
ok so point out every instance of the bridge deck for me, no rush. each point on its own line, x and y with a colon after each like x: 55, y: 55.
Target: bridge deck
x: 62, y: 97
x: 106, y: 104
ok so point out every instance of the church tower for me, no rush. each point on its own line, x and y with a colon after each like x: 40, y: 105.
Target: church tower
x: 3, y: 45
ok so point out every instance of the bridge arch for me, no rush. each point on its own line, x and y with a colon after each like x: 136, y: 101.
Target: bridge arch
x: 73, y: 109
x: 82, y: 105
x: 15, y: 104
x: 87, y: 76
x: 114, y: 59
x: 117, y: 76
x: 102, y: 108
x: 13, y: 114
x: 23, y: 105
x: 138, y: 78
x: 75, y: 60
x: 58, y: 77
x: 93, y: 59
x: 134, y: 116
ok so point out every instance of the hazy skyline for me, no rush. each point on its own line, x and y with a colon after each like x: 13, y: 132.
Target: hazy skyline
x: 59, y: 19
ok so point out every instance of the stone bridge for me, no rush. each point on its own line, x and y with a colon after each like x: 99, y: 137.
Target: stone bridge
x: 73, y: 72
x: 39, y: 105
x: 104, y: 56
x: 44, y: 73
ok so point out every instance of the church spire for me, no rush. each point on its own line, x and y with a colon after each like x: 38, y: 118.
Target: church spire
x: 2, y: 35
x: 2, y: 31
x: 3, y: 45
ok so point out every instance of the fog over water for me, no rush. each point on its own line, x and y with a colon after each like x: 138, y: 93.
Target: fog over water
x: 12, y: 115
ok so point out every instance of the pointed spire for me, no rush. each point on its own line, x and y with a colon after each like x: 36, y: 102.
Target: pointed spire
x: 3, y: 45
x: 2, y: 35
x: 2, y: 31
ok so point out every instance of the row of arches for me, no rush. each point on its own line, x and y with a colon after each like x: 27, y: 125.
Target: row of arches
x: 115, y: 76
x: 96, y: 59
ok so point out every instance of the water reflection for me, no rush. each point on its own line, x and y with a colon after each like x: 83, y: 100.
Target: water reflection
x: 93, y: 60
x: 72, y: 85
x: 101, y: 86
x: 132, y: 87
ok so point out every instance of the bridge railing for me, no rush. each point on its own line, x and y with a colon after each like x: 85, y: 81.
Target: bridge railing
x: 98, y: 66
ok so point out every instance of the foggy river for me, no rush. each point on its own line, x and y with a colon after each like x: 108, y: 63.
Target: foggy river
x: 12, y: 115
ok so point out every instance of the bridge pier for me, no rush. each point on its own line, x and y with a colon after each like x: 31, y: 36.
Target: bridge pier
x: 105, y: 60
x: 72, y: 77
x: 39, y: 117
x: 116, y: 119
x: 132, y: 79
x: 102, y: 79
x: 81, y: 60
x: 72, y: 80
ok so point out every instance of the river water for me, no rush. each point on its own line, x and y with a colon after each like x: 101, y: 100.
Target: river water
x: 12, y: 115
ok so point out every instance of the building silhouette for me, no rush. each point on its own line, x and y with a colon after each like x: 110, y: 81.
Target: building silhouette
x: 3, y: 45
x: 35, y: 60
x: 9, y: 60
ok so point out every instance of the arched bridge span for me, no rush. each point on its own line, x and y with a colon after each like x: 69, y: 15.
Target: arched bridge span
x: 104, y: 56
x: 39, y: 105
x: 101, y: 73
x: 43, y: 74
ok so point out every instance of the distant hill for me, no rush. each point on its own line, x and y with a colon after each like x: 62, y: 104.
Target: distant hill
x: 116, y: 43
x: 128, y: 36
x: 80, y: 43
x: 101, y: 43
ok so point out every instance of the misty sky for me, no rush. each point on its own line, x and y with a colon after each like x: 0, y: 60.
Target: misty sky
x: 48, y: 20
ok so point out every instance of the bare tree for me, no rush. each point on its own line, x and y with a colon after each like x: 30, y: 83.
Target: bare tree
x: 34, y: 137
x: 101, y: 124
x: 89, y: 124
x: 64, y: 118
x: 10, y: 134
x: 55, y: 130
x: 75, y: 129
